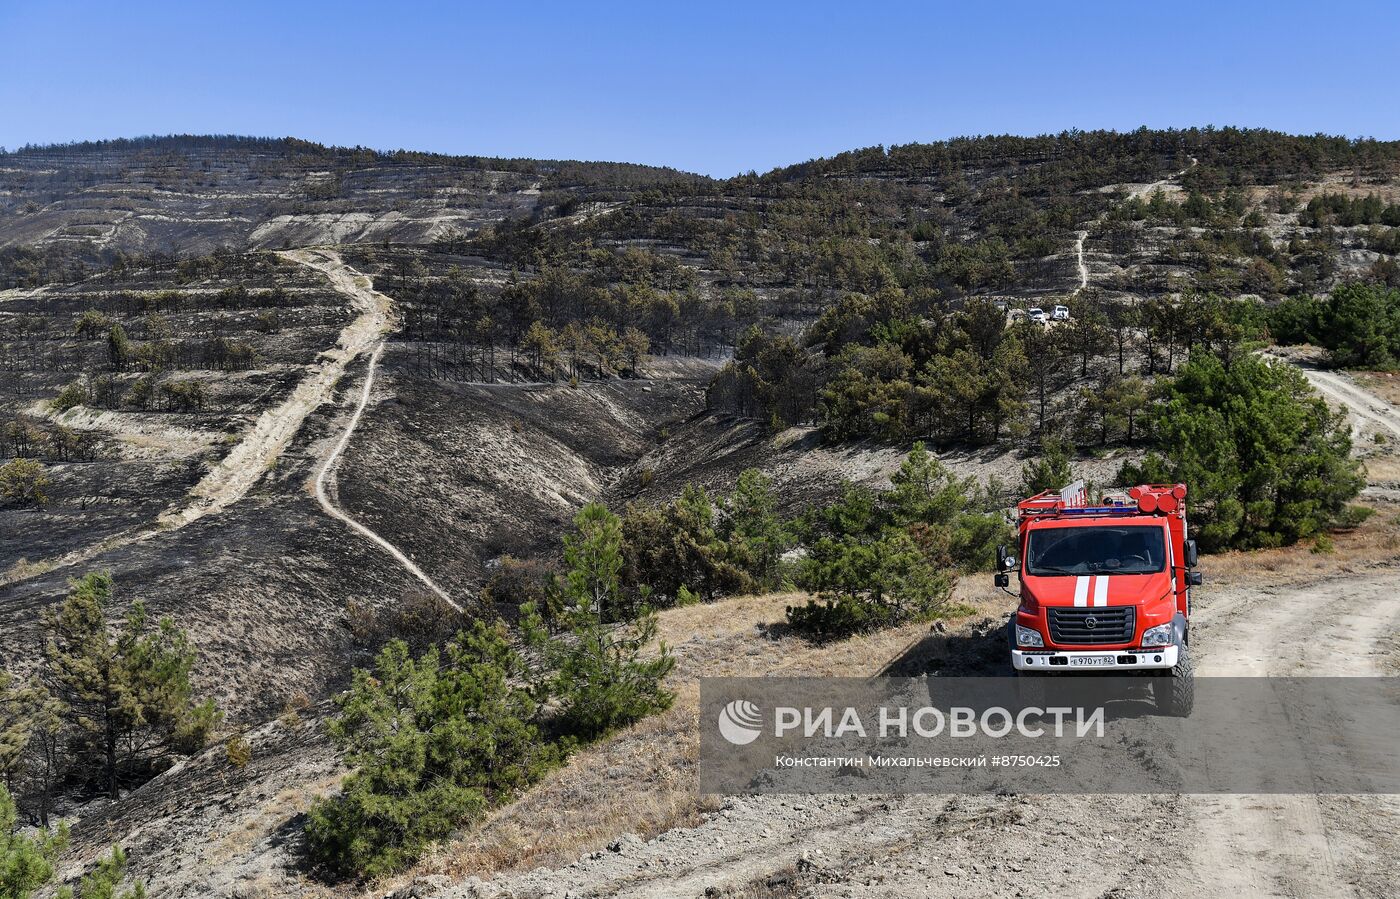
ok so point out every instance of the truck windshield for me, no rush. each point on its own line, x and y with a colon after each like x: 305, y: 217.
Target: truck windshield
x: 1125, y: 549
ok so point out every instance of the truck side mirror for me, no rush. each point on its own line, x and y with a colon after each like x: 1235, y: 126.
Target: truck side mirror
x: 1002, y: 579
x: 1193, y: 578
x: 1191, y: 554
x: 1005, y: 561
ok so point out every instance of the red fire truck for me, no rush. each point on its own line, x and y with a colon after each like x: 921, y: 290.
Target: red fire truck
x: 1105, y: 587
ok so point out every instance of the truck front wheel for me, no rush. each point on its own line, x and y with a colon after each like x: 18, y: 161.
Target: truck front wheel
x: 1175, y: 691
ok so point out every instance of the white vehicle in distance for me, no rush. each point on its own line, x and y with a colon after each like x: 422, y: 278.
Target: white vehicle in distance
x: 1037, y: 315
x: 1060, y: 314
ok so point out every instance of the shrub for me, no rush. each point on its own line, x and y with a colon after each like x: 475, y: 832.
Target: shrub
x: 421, y: 619
x: 751, y: 527
x: 882, y: 559
x: 1266, y: 461
x: 518, y: 582
x: 1051, y: 471
x: 675, y: 545
x: 101, y: 882
x: 91, y: 325
x: 239, y: 752
x: 435, y: 742
x: 26, y: 862
x: 185, y: 396
x: 867, y: 586
x: 75, y: 394
x: 24, y: 481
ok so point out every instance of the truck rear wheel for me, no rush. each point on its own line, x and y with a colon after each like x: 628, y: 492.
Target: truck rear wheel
x: 1175, y: 691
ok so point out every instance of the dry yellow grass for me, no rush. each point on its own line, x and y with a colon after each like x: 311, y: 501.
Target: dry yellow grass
x: 644, y: 780
x: 1384, y: 384
x: 1375, y: 541
x: 24, y: 568
x: 1383, y: 469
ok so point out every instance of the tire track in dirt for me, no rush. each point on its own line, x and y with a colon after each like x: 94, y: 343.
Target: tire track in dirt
x: 1358, y: 402
x: 1287, y: 844
x: 259, y: 448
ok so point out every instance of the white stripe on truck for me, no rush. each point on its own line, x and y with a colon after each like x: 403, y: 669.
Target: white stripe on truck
x: 1101, y: 590
x: 1081, y: 591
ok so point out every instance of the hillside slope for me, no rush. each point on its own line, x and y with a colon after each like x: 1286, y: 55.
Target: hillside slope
x: 188, y: 325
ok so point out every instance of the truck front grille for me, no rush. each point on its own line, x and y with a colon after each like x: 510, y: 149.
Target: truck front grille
x: 1099, y: 625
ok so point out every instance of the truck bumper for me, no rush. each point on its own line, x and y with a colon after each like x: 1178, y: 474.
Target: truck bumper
x: 1049, y: 661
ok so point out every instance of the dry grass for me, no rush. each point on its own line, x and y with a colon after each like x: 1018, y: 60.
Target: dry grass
x: 238, y: 839
x: 1374, y: 541
x: 24, y: 569
x: 1384, y: 384
x: 645, y: 779
x: 1383, y: 469
x: 1341, y: 183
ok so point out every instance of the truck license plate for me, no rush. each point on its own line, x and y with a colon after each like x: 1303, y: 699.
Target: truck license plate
x: 1091, y: 661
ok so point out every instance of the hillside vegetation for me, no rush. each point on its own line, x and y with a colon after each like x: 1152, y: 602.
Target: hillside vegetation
x: 599, y: 390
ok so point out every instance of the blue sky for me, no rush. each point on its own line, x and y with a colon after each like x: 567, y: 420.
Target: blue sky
x: 717, y: 88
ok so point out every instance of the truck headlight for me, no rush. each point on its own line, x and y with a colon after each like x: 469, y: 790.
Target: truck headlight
x: 1028, y: 636
x: 1161, y: 635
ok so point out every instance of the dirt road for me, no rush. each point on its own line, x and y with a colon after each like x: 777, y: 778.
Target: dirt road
x: 1293, y: 845
x: 1362, y: 405
x: 259, y: 448
x: 358, y: 287
x: 993, y: 846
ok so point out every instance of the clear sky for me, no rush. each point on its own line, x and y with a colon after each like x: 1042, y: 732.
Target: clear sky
x: 711, y: 87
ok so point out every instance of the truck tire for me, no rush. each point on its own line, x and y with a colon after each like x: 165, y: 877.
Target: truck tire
x: 1175, y: 691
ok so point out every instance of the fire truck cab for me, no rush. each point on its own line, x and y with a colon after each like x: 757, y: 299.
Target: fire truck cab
x: 1104, y: 588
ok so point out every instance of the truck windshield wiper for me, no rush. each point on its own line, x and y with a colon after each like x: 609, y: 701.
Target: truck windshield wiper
x: 1055, y: 569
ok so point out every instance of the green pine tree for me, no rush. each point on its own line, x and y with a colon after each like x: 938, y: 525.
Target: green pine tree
x: 434, y: 741
x: 26, y: 862
x: 1266, y: 461
x: 604, y: 674
x: 126, y: 688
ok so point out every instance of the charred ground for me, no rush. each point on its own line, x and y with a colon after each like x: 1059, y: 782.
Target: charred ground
x: 477, y: 443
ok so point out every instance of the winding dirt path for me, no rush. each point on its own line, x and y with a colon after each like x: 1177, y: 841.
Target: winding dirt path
x: 1362, y: 404
x: 1141, y: 190
x: 259, y: 448
x: 264, y: 443
x: 357, y: 286
x: 244, y: 465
